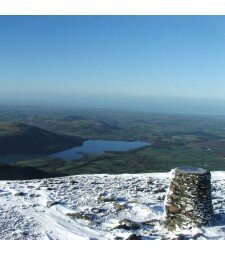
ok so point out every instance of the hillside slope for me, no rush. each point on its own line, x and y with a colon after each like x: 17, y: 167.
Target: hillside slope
x: 22, y: 138
x: 12, y: 172
x: 98, y: 207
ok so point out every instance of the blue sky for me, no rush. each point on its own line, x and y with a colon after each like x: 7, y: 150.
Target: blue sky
x: 128, y: 62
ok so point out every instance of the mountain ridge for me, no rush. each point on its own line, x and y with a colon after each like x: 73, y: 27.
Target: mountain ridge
x: 12, y: 172
x: 22, y: 138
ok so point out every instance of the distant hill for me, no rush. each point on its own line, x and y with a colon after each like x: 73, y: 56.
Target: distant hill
x: 22, y: 138
x: 73, y: 118
x: 11, y: 172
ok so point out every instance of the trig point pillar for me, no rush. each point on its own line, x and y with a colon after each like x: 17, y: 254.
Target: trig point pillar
x: 188, y: 202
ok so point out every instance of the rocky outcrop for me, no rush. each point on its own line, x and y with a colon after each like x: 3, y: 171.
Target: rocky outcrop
x: 188, y: 201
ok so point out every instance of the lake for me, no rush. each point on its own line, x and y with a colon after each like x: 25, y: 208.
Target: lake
x: 75, y: 153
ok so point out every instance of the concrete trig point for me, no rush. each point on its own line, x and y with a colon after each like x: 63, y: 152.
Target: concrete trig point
x: 188, y: 202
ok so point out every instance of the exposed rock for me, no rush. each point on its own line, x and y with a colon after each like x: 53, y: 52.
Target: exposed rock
x: 159, y: 190
x: 172, y: 208
x: 71, y: 180
x: 198, y: 235
x: 164, y: 238
x: 139, y: 189
x: 30, y: 187
x: 49, y: 188
x: 119, y: 207
x: 96, y: 210
x: 150, y: 181
x: 79, y: 215
x: 133, y: 202
x: 19, y: 194
x: 34, y: 195
x: 51, y: 203
x: 134, y: 237
x: 118, y: 238
x: 161, y: 198
x: 106, y: 199
x: 127, y: 225
x: 152, y: 223
x: 181, y: 237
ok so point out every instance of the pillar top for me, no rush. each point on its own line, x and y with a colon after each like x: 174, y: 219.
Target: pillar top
x: 191, y: 170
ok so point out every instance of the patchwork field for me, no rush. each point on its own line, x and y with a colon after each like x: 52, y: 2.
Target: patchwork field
x: 175, y: 139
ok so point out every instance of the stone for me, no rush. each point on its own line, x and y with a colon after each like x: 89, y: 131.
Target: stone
x: 150, y: 181
x: 51, y: 203
x: 118, y: 238
x: 198, y: 235
x: 106, y: 199
x: 159, y: 190
x: 161, y: 198
x: 19, y: 194
x: 188, y: 202
x: 30, y: 187
x: 181, y: 237
x: 152, y: 223
x: 172, y: 208
x: 96, y: 210
x: 79, y: 215
x: 134, y: 237
x: 49, y: 188
x: 127, y: 225
x: 119, y: 207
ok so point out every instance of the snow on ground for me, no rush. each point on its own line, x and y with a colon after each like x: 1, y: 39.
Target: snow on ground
x: 97, y: 207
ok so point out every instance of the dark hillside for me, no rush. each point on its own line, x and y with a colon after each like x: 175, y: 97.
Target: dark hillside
x: 22, y: 138
x: 11, y: 172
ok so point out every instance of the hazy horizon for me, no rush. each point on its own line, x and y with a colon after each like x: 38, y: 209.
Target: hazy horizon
x: 171, y: 64
x: 170, y: 106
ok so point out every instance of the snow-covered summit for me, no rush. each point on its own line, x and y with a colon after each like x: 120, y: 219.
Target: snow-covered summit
x: 97, y: 207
